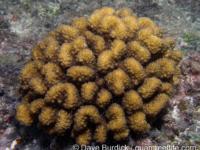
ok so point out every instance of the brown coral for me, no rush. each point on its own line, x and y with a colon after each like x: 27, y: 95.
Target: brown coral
x: 171, y: 42
x: 63, y: 94
x: 81, y: 24
x: 24, y: 115
x: 138, y: 52
x: 131, y: 102
x: 100, y: 134
x: 138, y: 123
x: 117, y: 81
x: 117, y: 122
x: 134, y: 69
x: 38, y: 86
x: 149, y: 87
x: 176, y: 56
x: 80, y: 73
x: 64, y: 121
x: 84, y: 114
x: 88, y: 91
x: 156, y: 104
x: 36, y: 106
x: 108, y: 74
x: 47, y: 115
x: 104, y: 98
x: 46, y: 50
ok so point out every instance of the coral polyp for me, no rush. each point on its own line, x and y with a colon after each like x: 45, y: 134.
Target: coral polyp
x: 105, y: 75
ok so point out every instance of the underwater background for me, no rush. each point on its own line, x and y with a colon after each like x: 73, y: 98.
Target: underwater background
x: 24, y: 23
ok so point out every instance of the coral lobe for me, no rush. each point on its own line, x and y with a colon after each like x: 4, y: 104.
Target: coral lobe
x: 105, y: 75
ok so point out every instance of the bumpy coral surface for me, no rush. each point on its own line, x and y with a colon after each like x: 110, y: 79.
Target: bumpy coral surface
x: 105, y: 75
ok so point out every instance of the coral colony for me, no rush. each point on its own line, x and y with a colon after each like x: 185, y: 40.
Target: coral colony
x: 108, y: 74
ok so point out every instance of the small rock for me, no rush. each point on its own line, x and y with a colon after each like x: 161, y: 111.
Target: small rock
x: 195, y: 67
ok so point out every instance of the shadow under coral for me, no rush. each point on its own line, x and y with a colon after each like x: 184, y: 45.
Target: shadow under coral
x: 37, y: 139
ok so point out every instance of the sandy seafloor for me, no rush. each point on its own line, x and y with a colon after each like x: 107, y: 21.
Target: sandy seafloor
x: 23, y: 23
